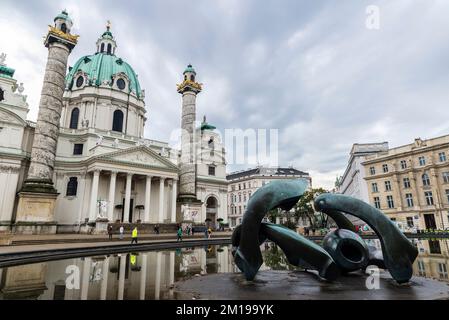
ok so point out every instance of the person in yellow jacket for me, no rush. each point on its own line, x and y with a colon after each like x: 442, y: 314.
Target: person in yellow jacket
x: 134, y: 236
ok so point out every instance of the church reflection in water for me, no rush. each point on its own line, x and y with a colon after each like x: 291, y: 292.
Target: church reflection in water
x: 151, y: 275
x: 142, y: 275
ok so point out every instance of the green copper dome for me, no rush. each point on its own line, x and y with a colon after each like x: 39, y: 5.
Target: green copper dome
x: 63, y: 15
x: 100, y: 68
x: 189, y: 69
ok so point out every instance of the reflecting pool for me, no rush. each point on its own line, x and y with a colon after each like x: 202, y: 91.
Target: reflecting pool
x: 151, y: 275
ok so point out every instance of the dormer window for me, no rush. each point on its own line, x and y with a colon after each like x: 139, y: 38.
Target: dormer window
x: 121, y: 84
x: 79, y: 81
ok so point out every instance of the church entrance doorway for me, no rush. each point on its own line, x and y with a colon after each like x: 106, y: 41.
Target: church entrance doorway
x: 211, y: 212
x: 129, y: 215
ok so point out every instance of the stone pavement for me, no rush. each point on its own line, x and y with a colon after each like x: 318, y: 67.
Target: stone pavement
x: 300, y: 285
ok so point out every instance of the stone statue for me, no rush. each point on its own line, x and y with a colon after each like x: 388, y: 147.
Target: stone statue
x: 342, y: 251
x: 2, y: 59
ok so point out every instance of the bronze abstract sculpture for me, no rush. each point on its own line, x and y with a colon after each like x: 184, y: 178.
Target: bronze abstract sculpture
x: 343, y: 250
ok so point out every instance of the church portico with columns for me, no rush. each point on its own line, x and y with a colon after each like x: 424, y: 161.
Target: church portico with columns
x: 98, y: 168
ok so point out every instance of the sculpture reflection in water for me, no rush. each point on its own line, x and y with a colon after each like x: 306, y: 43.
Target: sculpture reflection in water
x: 342, y: 250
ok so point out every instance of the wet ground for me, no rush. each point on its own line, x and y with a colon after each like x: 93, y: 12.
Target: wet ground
x: 301, y: 285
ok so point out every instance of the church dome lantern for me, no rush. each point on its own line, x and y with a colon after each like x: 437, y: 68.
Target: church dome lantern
x: 63, y: 22
x: 106, y: 43
x: 189, y: 73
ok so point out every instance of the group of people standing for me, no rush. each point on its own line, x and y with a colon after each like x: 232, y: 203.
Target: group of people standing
x: 134, y: 233
x: 179, y: 233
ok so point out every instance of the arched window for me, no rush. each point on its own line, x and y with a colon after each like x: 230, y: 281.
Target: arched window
x: 192, y: 78
x: 64, y: 28
x: 117, y: 123
x: 74, y: 118
x: 2, y: 94
x: 425, y: 179
x: 72, y: 187
x: 102, y: 47
x: 109, y: 48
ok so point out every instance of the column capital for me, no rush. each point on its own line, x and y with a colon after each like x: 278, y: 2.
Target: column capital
x: 129, y: 175
x: 149, y: 176
x: 114, y: 172
x: 96, y: 172
x: 162, y: 178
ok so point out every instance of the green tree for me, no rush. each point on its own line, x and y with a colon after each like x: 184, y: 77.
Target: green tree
x: 304, y: 209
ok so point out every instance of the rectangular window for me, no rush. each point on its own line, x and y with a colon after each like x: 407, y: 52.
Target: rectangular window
x: 409, y: 199
x: 434, y: 247
x: 387, y: 186
x: 410, y: 223
x: 406, y: 183
x: 372, y: 171
x: 403, y: 164
x: 442, y: 156
x: 374, y: 187
x: 377, y: 202
x: 429, y: 198
x: 442, y: 270
x: 390, y: 202
x: 447, y: 195
x: 211, y: 170
x: 446, y: 177
x: 78, y: 148
x: 385, y: 168
x: 422, y: 161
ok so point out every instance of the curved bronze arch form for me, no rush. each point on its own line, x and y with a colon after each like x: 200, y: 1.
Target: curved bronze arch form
x: 300, y: 251
x: 398, y: 252
x: 276, y: 194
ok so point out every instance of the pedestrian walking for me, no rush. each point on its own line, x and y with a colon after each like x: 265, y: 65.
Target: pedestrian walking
x: 121, y: 230
x: 179, y: 234
x: 110, y: 232
x: 134, y: 236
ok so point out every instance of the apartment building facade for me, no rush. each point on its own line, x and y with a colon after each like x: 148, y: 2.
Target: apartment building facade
x: 243, y: 184
x: 410, y: 183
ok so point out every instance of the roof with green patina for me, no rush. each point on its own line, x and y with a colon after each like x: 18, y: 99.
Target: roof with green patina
x: 6, y: 72
x: 102, y: 67
x: 207, y: 126
x: 190, y: 69
x: 63, y: 15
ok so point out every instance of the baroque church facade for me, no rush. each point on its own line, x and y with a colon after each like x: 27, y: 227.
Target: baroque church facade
x: 105, y: 171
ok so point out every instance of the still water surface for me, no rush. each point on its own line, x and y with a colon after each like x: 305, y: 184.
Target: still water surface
x: 151, y: 275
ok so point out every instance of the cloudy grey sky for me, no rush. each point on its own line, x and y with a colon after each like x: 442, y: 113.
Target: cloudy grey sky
x: 308, y: 68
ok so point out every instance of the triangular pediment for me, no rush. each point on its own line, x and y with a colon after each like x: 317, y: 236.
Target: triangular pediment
x: 141, y: 156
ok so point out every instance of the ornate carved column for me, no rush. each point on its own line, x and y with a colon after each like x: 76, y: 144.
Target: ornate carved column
x: 35, y: 211
x: 189, y: 90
